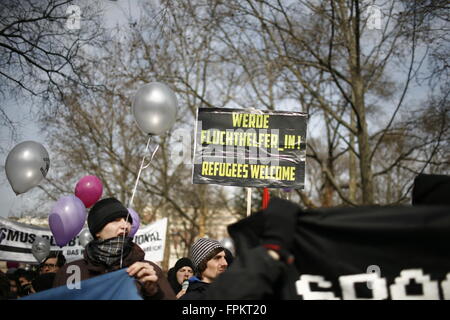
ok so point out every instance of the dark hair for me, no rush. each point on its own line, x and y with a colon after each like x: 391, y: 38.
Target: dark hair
x: 228, y: 256
x: 22, y: 273
x: 60, y: 258
x: 5, y: 291
x: 202, y: 265
x: 29, y: 275
x: 13, y: 277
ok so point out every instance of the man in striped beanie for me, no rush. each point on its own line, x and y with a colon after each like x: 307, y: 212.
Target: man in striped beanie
x: 208, y: 256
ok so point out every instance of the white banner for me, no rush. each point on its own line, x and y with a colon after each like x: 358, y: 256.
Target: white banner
x: 152, y: 239
x: 16, y: 240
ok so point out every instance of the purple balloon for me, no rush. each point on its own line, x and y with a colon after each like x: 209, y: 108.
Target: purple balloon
x: 136, y: 222
x: 67, y: 219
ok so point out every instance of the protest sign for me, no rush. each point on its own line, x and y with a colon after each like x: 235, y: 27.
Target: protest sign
x: 371, y: 252
x: 17, y: 240
x: 237, y: 147
x: 152, y: 239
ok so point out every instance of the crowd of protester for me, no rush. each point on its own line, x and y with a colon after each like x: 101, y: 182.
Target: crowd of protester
x: 206, y: 273
x: 19, y: 281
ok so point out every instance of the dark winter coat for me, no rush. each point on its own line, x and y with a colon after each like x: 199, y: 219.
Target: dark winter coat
x: 333, y: 243
x: 197, y: 290
x: 160, y: 290
x: 172, y: 273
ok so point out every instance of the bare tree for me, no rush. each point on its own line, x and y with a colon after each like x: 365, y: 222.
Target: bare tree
x: 323, y: 57
x: 95, y: 132
x: 39, y: 49
x: 430, y: 20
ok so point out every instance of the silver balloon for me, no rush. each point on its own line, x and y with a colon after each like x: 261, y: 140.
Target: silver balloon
x: 85, y: 237
x: 155, y: 108
x: 228, y: 243
x: 26, y: 165
x: 40, y: 248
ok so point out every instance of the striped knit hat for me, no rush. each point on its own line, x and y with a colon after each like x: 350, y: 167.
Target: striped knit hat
x: 202, y: 248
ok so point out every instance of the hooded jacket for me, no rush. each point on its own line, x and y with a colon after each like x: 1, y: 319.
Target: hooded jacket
x: 172, y: 274
x: 197, y: 290
x: 333, y: 250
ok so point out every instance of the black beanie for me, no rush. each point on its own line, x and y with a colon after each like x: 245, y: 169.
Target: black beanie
x: 184, y: 262
x: 172, y: 273
x: 105, y: 211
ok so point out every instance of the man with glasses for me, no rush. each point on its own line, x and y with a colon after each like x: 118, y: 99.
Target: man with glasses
x: 52, y: 263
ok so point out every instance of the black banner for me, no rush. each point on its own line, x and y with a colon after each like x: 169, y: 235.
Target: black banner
x: 376, y: 253
x: 237, y: 147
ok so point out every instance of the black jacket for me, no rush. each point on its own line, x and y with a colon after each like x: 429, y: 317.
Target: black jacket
x: 159, y: 290
x: 197, y: 290
x: 254, y: 275
x: 335, y: 244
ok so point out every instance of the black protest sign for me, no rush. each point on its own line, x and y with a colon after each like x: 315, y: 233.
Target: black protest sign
x: 370, y: 252
x: 237, y: 147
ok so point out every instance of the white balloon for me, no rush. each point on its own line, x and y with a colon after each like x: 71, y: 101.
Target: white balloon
x: 228, y: 243
x: 155, y: 108
x: 85, y: 237
x: 26, y: 165
x: 40, y: 248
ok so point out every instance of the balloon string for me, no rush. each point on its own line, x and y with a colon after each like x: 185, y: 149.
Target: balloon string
x: 12, y: 205
x: 135, y: 187
x: 151, y: 158
x: 140, y: 170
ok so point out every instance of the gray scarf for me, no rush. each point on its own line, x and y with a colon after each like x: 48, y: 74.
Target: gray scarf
x: 109, y: 251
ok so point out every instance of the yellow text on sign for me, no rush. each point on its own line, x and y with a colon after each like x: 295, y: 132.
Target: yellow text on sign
x: 250, y: 120
x: 257, y: 171
x: 239, y: 138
